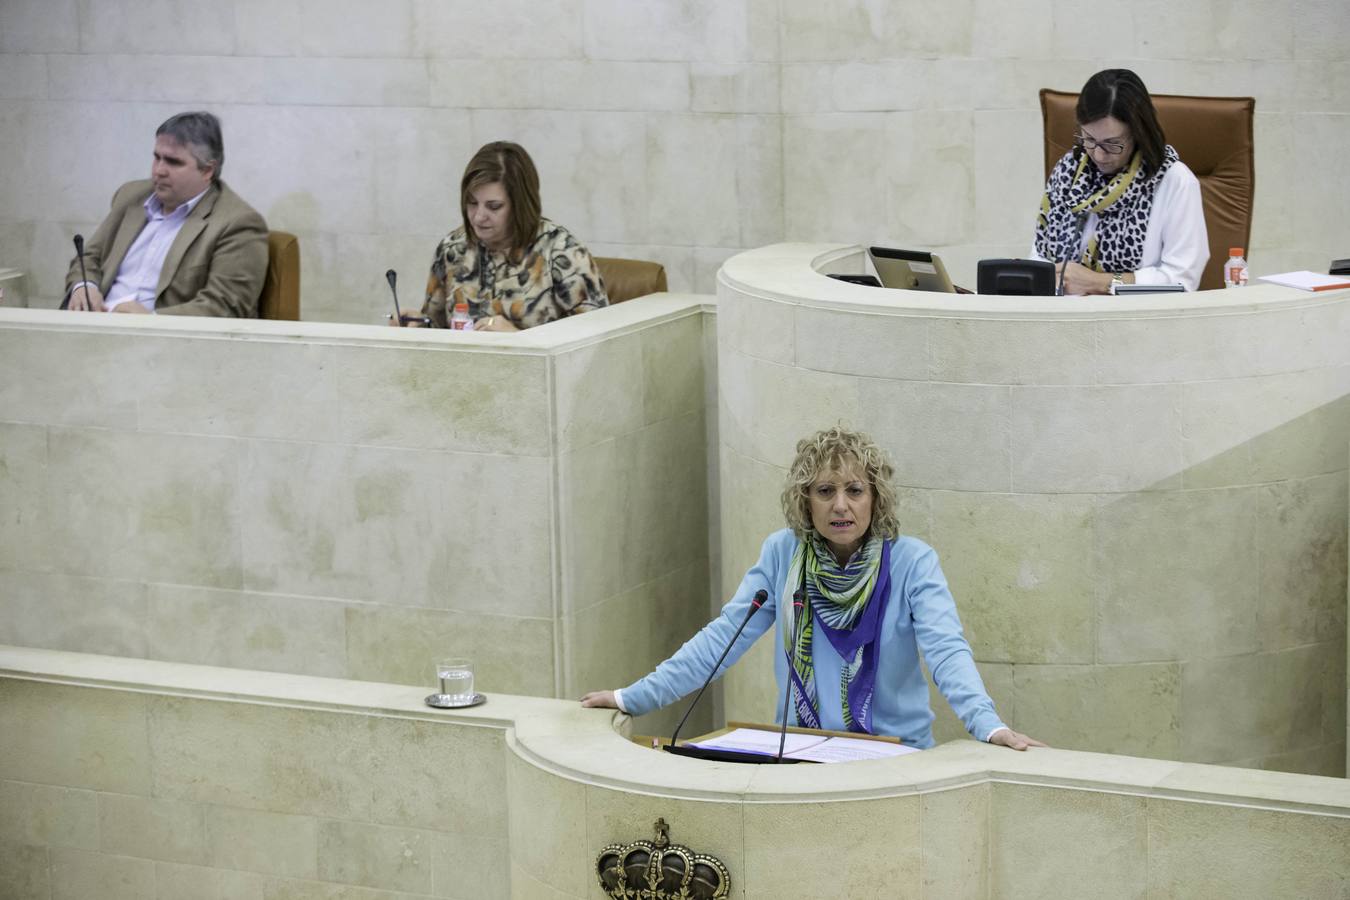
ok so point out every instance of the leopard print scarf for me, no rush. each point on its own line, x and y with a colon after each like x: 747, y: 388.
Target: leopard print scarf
x: 1122, y: 202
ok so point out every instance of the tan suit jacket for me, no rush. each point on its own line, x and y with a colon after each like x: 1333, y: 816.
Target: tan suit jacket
x: 215, y: 266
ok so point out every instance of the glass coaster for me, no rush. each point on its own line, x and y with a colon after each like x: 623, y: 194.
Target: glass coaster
x: 443, y: 701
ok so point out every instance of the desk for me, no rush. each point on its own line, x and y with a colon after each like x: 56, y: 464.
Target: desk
x: 517, y: 797
x: 356, y: 500
x: 1139, y: 502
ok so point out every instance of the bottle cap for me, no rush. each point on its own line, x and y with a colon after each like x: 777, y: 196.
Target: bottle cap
x: 461, y: 306
x: 1234, y: 251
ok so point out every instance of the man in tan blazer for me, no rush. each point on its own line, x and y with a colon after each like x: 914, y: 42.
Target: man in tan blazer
x: 180, y: 243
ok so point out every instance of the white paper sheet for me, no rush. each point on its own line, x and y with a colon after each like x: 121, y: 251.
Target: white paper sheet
x: 841, y: 749
x: 810, y: 747
x: 1309, y: 281
x: 754, y: 740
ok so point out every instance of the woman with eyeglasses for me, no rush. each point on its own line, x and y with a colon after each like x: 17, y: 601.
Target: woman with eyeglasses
x: 1120, y: 207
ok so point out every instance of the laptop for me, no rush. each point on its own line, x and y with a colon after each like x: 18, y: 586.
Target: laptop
x: 910, y: 270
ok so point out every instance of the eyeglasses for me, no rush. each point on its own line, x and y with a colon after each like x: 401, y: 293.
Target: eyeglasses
x: 1113, y: 147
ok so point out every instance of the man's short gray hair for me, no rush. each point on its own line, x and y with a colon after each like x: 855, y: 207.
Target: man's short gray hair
x: 200, y: 133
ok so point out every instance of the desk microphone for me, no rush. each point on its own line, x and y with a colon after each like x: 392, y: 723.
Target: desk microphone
x: 1079, y: 223
x: 787, y: 691
x: 79, y: 254
x: 392, y: 277
x: 755, y: 603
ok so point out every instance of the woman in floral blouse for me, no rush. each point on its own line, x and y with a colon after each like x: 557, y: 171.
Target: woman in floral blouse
x: 514, y: 268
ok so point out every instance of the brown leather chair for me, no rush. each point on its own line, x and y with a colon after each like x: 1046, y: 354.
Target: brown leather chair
x: 1213, y: 136
x: 625, y: 279
x: 280, y: 298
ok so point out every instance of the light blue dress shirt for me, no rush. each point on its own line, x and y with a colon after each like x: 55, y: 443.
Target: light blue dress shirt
x: 138, y: 276
x: 920, y: 617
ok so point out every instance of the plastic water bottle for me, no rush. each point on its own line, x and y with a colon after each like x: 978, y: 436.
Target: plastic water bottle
x: 1235, y: 270
x: 460, y: 320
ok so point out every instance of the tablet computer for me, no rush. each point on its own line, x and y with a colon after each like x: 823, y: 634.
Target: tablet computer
x: 868, y: 280
x: 910, y: 270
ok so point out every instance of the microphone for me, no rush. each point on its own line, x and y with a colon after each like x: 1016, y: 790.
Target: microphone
x: 79, y: 254
x: 787, y: 691
x: 392, y: 277
x: 1079, y: 223
x: 756, y: 602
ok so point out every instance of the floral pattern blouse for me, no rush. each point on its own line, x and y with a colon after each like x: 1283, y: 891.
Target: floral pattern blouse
x: 554, y: 277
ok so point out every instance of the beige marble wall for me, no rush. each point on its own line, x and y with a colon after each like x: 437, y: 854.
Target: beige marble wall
x: 942, y: 124
x: 1140, y: 511
x: 349, y: 123
x: 147, y: 795
x: 354, y: 502
x: 138, y: 779
x: 680, y: 132
x: 1116, y: 845
x: 630, y: 436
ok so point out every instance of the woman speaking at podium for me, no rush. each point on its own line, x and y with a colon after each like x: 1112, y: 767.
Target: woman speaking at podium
x: 1120, y: 207
x: 852, y: 604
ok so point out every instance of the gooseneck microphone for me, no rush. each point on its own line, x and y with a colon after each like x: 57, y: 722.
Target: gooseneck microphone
x: 79, y: 254
x: 756, y: 602
x: 392, y: 277
x: 1079, y: 223
x: 797, y: 609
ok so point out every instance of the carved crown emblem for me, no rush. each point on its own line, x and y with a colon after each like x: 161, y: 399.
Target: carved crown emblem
x: 660, y: 870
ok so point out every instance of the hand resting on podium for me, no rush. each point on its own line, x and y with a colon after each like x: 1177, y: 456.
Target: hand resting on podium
x: 600, y: 700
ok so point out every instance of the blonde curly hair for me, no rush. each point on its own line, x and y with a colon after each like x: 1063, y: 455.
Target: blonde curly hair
x: 836, y: 449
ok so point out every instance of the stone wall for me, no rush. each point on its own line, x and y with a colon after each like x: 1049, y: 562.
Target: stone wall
x: 357, y: 501
x: 132, y: 779
x: 143, y: 793
x: 681, y: 132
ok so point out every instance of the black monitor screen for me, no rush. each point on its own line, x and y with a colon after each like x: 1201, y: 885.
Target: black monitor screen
x: 1016, y: 277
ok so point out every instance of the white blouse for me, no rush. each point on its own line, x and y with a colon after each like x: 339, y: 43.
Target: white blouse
x: 1176, y: 244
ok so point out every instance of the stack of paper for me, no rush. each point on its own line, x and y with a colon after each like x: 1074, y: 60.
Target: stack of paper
x: 809, y: 747
x: 1309, y: 281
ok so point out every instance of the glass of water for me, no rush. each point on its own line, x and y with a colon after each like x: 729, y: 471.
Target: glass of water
x: 456, y: 676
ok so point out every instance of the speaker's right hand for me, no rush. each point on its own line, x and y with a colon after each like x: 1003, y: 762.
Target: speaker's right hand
x: 86, y: 297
